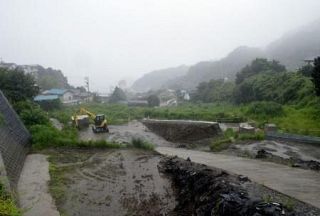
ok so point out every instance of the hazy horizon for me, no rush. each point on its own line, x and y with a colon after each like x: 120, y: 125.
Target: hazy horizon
x: 113, y: 40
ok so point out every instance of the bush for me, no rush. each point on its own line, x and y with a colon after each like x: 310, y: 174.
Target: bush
x: 139, y: 143
x: 48, y: 136
x: 31, y: 114
x: 220, y: 145
x: 265, y: 109
x: 50, y: 105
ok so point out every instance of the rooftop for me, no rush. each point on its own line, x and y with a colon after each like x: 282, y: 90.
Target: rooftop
x: 54, y: 91
x: 45, y: 97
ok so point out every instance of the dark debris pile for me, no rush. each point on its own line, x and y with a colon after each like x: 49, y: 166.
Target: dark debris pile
x: 295, y: 162
x: 203, y: 191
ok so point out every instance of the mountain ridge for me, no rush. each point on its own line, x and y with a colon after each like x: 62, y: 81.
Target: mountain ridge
x: 290, y: 49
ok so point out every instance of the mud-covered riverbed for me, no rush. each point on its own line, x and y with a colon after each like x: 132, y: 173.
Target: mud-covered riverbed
x: 110, y: 182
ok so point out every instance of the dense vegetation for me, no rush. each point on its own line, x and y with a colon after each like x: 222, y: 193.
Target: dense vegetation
x: 316, y: 75
x: 118, y: 95
x: 284, y: 88
x: 7, y: 205
x: 16, y: 85
x: 214, y: 91
x: 262, y: 80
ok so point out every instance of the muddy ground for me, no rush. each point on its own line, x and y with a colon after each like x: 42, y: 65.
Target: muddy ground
x: 128, y: 181
x: 125, y: 134
x: 111, y: 182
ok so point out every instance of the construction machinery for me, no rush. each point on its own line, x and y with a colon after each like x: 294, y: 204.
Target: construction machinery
x: 81, y: 120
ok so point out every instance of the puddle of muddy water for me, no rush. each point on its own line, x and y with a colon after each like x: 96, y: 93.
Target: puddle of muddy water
x: 114, y: 182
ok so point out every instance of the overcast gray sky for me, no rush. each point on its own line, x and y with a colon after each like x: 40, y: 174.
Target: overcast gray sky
x: 109, y: 40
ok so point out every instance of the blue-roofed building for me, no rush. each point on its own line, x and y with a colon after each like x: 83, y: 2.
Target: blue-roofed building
x: 46, y: 97
x: 54, y: 91
x: 65, y: 96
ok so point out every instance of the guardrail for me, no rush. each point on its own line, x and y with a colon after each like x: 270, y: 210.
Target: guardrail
x: 292, y: 137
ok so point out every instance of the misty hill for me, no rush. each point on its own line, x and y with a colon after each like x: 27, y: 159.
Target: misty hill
x: 224, y: 68
x: 290, y: 50
x: 295, y: 46
x: 159, y: 78
x: 46, y: 78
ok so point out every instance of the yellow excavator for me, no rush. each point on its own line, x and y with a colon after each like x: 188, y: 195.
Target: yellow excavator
x: 81, y: 120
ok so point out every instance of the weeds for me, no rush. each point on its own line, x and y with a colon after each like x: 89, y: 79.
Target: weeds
x: 255, y: 136
x: 142, y: 144
x: 267, y: 198
x: 230, y: 136
x: 7, y: 205
x: 220, y: 145
x: 289, y: 204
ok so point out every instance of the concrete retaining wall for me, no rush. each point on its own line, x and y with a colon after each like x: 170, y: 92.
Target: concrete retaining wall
x: 14, y: 143
x: 182, y: 130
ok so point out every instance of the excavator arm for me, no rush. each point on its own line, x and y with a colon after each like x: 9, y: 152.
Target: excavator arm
x: 100, y: 122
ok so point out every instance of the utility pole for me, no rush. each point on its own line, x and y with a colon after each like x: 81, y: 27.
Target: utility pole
x: 86, y: 81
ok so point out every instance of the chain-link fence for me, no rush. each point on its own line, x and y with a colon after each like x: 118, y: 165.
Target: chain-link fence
x: 14, y: 141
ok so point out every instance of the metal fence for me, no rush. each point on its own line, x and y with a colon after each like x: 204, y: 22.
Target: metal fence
x: 14, y: 141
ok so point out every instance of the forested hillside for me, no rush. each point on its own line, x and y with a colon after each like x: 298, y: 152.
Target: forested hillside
x: 291, y: 50
x: 46, y: 78
x: 159, y: 78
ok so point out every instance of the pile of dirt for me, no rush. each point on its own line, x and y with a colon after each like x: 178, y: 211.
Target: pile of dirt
x: 204, y: 191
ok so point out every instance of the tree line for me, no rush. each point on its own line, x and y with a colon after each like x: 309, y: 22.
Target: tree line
x: 264, y: 80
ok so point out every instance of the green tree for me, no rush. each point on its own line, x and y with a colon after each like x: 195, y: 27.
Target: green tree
x: 118, y: 95
x: 316, y: 75
x: 306, y: 70
x: 257, y: 66
x: 283, y: 88
x: 153, y: 100
x: 213, y: 91
x: 17, y: 86
x: 31, y: 113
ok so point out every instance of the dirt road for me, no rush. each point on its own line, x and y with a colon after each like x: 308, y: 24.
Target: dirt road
x: 300, y: 184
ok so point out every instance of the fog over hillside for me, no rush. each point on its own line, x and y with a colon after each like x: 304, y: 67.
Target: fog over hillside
x: 290, y: 49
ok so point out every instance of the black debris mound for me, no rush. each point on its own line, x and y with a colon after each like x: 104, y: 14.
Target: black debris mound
x: 202, y: 191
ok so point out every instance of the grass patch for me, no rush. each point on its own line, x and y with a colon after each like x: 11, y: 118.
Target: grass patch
x: 142, y: 144
x: 220, y: 145
x: 46, y: 136
x: 7, y: 205
x: 98, y: 144
x: 229, y: 136
x: 251, y: 136
x: 224, y: 142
